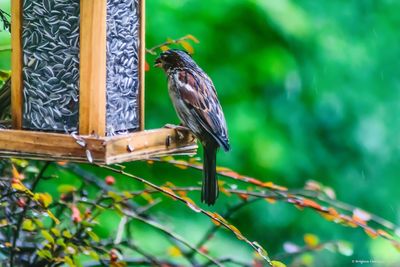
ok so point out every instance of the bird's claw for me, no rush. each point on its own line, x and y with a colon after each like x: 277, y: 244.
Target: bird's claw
x: 178, y: 129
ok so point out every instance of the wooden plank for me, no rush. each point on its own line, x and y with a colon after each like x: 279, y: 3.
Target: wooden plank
x: 16, y: 64
x: 148, y: 144
x: 51, y: 145
x: 104, y: 150
x: 92, y: 99
x: 142, y: 61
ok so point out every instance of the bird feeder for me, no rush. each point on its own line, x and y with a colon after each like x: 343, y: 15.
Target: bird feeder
x: 78, y: 84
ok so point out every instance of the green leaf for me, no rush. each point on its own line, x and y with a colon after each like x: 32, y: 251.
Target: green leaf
x: 67, y: 234
x: 28, y: 225
x: 93, y: 236
x: 115, y: 196
x: 60, y: 242
x: 48, y: 236
x: 278, y: 264
x: 44, y: 254
x: 69, y: 261
x: 187, y: 46
x: 66, y: 188
x: 55, y: 231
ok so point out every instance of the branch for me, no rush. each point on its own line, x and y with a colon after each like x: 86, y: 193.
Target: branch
x: 25, y: 209
x: 189, y: 203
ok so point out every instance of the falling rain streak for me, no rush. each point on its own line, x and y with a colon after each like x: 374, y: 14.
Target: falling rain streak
x: 122, y: 66
x: 50, y: 43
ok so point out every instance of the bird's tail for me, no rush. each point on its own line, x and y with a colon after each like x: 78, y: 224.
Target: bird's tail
x: 209, y: 192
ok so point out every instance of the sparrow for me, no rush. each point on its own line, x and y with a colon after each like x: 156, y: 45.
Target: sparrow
x: 196, y: 103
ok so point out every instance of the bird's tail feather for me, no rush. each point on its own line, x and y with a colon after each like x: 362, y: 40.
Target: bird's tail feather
x: 209, y: 192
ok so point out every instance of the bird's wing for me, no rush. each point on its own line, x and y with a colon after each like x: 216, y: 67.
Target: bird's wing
x: 198, y: 93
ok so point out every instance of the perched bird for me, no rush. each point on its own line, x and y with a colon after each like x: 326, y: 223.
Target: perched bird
x: 195, y: 100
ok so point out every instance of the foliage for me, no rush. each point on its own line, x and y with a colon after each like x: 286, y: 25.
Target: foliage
x: 42, y: 229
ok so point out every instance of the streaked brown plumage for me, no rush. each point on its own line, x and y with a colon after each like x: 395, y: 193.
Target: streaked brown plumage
x: 196, y: 103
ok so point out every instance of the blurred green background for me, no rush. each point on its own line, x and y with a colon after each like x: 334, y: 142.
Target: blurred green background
x: 310, y: 90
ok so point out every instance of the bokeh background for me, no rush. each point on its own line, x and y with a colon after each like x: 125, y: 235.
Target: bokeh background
x: 310, y: 90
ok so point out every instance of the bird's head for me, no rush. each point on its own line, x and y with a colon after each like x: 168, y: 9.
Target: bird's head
x: 173, y: 58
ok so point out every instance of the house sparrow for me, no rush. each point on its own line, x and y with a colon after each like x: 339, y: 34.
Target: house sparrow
x: 195, y: 100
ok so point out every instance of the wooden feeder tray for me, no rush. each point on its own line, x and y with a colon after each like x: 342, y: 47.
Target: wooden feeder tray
x: 101, y: 150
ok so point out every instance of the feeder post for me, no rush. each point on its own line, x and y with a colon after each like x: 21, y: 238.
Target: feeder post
x: 16, y: 64
x: 92, y: 98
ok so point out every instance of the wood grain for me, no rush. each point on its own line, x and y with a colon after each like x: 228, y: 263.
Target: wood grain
x: 146, y: 144
x: 92, y: 99
x: 104, y: 150
x: 142, y: 61
x: 16, y: 64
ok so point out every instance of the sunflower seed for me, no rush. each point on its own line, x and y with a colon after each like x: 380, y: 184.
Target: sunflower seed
x: 49, y: 37
x: 122, y: 75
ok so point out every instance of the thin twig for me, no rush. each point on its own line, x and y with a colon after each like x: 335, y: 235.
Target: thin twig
x: 195, y: 208
x: 25, y: 209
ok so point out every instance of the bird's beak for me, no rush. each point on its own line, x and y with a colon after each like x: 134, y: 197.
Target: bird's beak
x: 158, y: 63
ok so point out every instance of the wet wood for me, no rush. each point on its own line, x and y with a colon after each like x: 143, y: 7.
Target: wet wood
x: 92, y: 91
x: 104, y: 150
x: 16, y: 64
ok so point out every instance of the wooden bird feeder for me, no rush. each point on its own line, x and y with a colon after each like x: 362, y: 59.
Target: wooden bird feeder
x: 78, y: 84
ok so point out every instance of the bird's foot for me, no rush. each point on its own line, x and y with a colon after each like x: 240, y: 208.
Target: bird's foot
x: 178, y: 129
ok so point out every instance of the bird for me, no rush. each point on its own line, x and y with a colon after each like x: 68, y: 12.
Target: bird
x: 196, y: 103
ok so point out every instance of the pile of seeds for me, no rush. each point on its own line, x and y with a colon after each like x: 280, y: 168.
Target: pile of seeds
x: 122, y: 66
x: 50, y: 38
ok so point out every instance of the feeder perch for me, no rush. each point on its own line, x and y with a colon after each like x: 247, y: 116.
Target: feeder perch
x: 78, y: 84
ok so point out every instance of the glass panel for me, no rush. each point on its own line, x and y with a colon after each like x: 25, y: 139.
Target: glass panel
x: 123, y: 26
x: 50, y: 37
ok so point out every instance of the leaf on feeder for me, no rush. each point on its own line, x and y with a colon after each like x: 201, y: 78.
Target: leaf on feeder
x: 187, y: 46
x: 191, y: 37
x: 146, y: 66
x: 164, y: 48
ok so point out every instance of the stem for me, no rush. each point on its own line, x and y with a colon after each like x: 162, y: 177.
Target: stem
x: 24, y: 211
x: 169, y: 42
